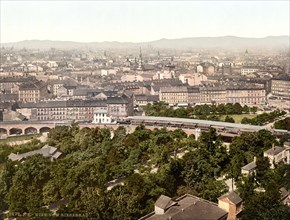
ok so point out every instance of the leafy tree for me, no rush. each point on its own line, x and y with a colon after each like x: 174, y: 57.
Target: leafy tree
x: 229, y: 119
x: 25, y: 194
x: 283, y: 124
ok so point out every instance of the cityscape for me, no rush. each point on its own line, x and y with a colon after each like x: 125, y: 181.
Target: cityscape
x: 145, y: 110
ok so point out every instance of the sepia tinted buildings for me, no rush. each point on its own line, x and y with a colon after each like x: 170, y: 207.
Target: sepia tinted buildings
x: 80, y: 110
x: 280, y: 86
x: 33, y: 91
x: 218, y: 94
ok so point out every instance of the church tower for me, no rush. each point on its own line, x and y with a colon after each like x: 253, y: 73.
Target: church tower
x: 140, y: 66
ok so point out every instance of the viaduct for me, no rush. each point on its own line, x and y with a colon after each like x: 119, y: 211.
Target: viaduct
x: 190, y: 126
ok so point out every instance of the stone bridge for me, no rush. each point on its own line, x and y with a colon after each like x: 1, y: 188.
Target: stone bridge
x: 28, y: 127
x: 190, y: 126
x: 37, y: 127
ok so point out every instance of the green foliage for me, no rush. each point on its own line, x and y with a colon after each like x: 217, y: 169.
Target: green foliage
x: 244, y: 147
x: 229, y: 119
x: 283, y: 124
x: 205, y: 112
x: 202, y: 166
x: 147, y: 163
x: 263, y: 118
x: 264, y: 203
x: 25, y: 194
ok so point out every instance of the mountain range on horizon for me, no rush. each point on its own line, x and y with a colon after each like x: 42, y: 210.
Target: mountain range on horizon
x: 225, y: 42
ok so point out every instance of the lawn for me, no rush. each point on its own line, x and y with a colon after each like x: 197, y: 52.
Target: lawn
x: 238, y: 118
x: 18, y: 138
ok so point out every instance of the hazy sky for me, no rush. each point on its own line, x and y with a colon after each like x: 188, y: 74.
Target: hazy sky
x: 90, y: 21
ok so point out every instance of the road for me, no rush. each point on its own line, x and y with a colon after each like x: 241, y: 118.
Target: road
x: 271, y: 125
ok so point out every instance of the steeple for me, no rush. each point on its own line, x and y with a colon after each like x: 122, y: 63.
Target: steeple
x: 140, y: 66
x: 140, y: 55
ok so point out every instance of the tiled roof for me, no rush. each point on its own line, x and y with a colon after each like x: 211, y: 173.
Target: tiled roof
x: 63, y: 104
x: 33, y: 85
x: 16, y: 79
x: 8, y: 97
x: 190, y: 207
x: 163, y: 202
x: 274, y: 150
x: 250, y: 166
x: 118, y: 100
x: 282, y: 77
x: 174, y: 89
x: 45, y: 151
x: 232, y: 197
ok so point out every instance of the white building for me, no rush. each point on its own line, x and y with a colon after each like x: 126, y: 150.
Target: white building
x: 199, y: 69
x: 101, y: 117
x: 275, y: 154
x: 247, y: 70
x: 193, y: 79
x: 52, y: 64
x: 278, y: 154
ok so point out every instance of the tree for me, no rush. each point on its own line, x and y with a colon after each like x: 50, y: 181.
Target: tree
x: 246, y: 120
x: 283, y: 124
x: 263, y: 166
x: 229, y: 119
x: 25, y: 195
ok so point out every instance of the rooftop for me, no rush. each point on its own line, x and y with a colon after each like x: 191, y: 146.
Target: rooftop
x: 250, y: 166
x: 274, y: 150
x: 282, y: 77
x: 45, y: 151
x: 188, y: 207
x: 233, y: 197
x: 197, y: 121
x: 32, y: 85
x: 174, y: 89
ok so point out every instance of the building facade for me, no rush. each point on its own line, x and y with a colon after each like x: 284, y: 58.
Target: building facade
x: 246, y: 70
x: 33, y: 91
x: 246, y: 96
x: 280, y: 87
x: 174, y: 95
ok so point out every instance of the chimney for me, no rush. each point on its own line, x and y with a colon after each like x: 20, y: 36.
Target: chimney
x: 255, y: 159
x: 273, y: 146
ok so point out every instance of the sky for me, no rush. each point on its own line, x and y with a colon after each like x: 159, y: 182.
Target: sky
x: 140, y: 21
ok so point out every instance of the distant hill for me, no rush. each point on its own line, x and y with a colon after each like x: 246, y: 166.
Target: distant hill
x: 227, y: 42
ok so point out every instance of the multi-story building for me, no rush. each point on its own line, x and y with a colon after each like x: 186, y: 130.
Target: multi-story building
x: 193, y: 79
x: 66, y: 90
x: 120, y: 106
x: 62, y: 110
x: 246, y: 70
x: 276, y: 154
x: 10, y: 84
x: 213, y: 94
x: 193, y: 95
x: 101, y: 117
x: 280, y: 86
x: 117, y: 107
x: 246, y: 96
x: 174, y: 95
x: 143, y: 99
x: 33, y: 91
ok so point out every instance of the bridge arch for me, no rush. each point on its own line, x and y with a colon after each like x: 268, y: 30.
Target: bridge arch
x: 30, y: 130
x: 15, y: 131
x: 44, y: 129
x: 3, y: 131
